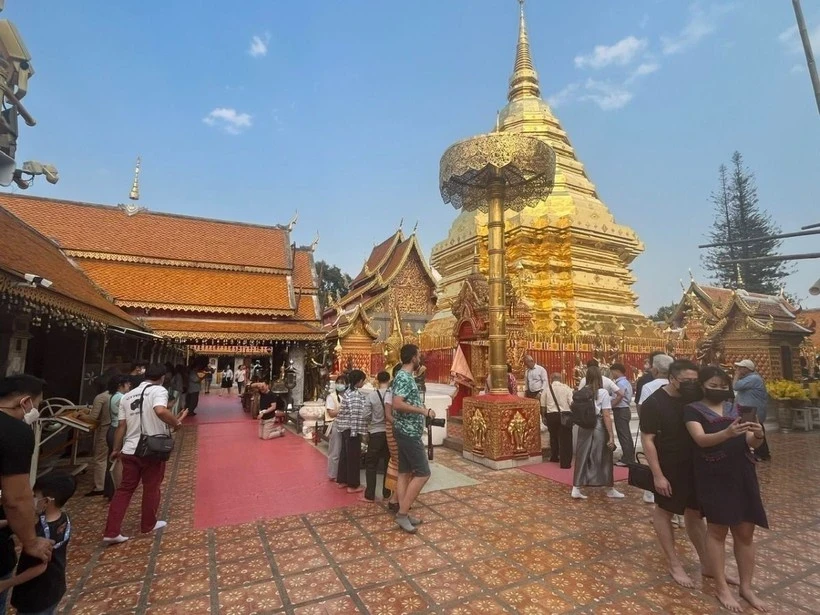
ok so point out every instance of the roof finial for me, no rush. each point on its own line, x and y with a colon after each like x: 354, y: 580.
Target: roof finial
x: 293, y: 221
x: 691, y: 277
x: 315, y: 242
x: 401, y: 223
x: 135, y: 186
x: 524, y: 80
x: 415, y: 228
x: 498, y: 121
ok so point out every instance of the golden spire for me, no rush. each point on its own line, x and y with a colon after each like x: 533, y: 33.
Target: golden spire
x: 524, y: 81
x: 135, y: 186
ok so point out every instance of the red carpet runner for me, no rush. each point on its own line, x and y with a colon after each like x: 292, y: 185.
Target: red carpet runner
x: 241, y: 478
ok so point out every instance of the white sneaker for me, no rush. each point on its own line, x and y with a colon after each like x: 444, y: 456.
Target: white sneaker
x: 159, y: 525
x: 648, y: 497
x: 614, y: 493
x: 576, y: 493
x: 116, y: 540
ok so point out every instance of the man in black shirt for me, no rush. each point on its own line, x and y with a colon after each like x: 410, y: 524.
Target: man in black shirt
x: 18, y: 395
x: 668, y: 449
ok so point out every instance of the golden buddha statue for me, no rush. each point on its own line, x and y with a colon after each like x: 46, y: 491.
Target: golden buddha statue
x: 574, y: 255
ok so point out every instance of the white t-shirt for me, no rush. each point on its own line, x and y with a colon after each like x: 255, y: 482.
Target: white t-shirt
x: 240, y: 375
x: 651, y: 387
x: 602, y: 401
x: 331, y: 403
x: 608, y: 383
x: 155, y: 397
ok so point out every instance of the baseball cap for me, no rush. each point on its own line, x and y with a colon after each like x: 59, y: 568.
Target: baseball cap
x: 748, y: 364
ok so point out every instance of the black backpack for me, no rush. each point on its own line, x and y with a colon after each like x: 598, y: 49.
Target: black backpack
x: 583, y: 408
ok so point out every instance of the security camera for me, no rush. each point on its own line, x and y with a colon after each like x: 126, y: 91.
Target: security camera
x: 815, y: 288
x: 37, y: 280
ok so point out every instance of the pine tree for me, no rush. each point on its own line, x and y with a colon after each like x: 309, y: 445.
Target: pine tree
x: 738, y: 216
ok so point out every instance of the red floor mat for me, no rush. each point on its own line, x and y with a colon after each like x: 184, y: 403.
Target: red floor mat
x: 215, y: 409
x: 241, y: 478
x: 552, y: 471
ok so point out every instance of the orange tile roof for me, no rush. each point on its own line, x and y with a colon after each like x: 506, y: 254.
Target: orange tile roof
x: 304, y: 270
x: 130, y: 283
x: 102, y: 228
x: 24, y: 250
x: 236, y: 330
x: 395, y: 261
x: 306, y: 310
x: 377, y: 257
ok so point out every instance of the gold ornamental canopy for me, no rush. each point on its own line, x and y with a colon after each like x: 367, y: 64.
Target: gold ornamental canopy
x: 525, y: 166
x: 494, y: 172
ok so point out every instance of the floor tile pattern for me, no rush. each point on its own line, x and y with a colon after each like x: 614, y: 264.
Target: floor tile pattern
x: 513, y: 543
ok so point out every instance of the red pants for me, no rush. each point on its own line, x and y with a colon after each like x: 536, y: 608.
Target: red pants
x: 136, y: 469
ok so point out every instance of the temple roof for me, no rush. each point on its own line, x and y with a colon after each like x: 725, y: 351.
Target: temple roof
x: 185, y: 270
x: 381, y: 267
x: 27, y: 251
x: 110, y: 230
x: 765, y: 313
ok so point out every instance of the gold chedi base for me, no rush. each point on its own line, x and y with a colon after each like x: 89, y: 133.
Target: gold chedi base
x: 502, y: 431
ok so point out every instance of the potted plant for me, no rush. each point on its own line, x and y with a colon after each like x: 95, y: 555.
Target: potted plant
x: 787, y: 395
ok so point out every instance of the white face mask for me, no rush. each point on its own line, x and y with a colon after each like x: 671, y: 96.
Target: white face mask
x: 31, y: 416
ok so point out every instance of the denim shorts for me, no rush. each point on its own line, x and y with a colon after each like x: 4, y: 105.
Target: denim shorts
x: 412, y: 456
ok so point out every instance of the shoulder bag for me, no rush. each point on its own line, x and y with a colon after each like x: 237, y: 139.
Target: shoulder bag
x: 153, y: 447
x: 640, y: 475
x: 566, y: 417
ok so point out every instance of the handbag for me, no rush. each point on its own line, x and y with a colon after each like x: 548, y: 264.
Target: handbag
x: 153, y: 447
x: 640, y: 475
x: 566, y: 417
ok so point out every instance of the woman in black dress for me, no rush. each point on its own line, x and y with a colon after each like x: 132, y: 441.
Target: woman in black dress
x: 726, y: 482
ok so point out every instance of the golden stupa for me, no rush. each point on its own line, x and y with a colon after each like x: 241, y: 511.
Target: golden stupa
x: 566, y: 256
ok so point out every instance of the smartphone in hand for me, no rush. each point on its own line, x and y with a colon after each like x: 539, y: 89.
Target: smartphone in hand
x: 748, y: 414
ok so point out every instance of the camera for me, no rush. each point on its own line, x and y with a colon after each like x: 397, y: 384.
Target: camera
x: 436, y: 422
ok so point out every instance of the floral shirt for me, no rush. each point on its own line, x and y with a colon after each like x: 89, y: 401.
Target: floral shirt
x: 408, y: 424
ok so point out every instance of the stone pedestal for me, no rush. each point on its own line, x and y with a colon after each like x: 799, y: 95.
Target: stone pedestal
x: 502, y: 431
x: 311, y: 412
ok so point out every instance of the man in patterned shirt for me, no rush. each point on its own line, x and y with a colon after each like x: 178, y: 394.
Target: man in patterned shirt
x: 408, y: 427
x: 354, y: 415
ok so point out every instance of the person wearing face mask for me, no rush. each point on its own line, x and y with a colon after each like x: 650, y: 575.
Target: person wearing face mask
x: 19, y: 395
x: 658, y: 376
x: 377, y: 450
x: 668, y: 449
x: 334, y: 439
x: 726, y: 482
x: 352, y: 421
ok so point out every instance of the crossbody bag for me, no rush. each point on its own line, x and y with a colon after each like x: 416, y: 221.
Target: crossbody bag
x: 153, y: 447
x: 566, y: 417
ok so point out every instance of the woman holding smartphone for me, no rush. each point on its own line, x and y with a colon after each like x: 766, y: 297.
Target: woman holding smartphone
x: 726, y: 482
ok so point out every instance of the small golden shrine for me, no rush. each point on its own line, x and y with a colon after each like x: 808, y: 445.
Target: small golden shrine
x: 352, y: 336
x: 731, y: 325
x: 395, y: 288
x: 566, y: 253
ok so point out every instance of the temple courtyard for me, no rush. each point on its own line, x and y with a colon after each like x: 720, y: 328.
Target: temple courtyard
x: 255, y: 527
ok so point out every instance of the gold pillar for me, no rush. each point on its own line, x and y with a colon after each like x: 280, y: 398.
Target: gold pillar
x: 497, y: 308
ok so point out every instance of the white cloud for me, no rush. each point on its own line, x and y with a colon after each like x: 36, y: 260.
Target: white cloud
x: 798, y: 69
x: 643, y: 69
x: 791, y: 40
x: 621, y: 53
x: 568, y: 94
x: 228, y: 120
x: 608, y: 96
x: 259, y: 45
x: 702, y: 23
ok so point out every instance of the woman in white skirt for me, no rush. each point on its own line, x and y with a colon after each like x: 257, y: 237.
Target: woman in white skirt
x: 334, y: 438
x: 594, y: 447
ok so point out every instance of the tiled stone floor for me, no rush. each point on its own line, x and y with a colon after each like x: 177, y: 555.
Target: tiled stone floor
x: 513, y: 543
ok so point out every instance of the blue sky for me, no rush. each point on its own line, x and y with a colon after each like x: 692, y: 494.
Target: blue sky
x: 254, y: 109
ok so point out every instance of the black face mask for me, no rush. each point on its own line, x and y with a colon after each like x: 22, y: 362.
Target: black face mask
x: 690, y: 392
x: 717, y: 395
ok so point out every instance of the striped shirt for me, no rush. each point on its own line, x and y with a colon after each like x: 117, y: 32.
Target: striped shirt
x: 354, y: 413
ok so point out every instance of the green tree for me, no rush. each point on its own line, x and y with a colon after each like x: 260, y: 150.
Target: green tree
x: 738, y: 216
x: 664, y: 313
x: 332, y: 281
